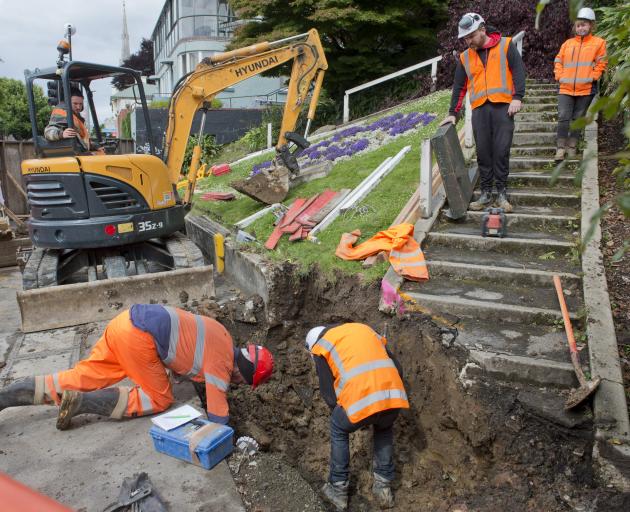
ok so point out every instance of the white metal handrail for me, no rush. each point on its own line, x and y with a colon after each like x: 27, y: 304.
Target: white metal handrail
x: 346, y: 99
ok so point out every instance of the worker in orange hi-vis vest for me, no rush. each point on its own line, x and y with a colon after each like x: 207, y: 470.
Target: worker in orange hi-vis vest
x: 577, y: 68
x: 491, y: 71
x: 140, y: 344
x: 361, y: 381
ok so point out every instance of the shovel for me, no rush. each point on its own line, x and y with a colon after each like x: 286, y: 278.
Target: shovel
x: 587, y: 387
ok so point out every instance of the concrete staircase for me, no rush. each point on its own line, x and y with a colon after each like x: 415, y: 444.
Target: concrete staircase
x: 499, y: 291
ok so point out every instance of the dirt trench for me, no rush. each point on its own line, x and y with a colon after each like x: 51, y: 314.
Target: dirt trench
x: 481, y: 448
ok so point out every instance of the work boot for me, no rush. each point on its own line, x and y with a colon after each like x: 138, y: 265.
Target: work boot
x: 560, y: 151
x: 21, y: 392
x: 73, y: 403
x: 571, y: 147
x: 484, y: 199
x: 382, y: 491
x: 502, y: 202
x: 337, y: 493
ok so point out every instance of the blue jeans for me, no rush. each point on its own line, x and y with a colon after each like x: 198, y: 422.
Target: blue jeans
x: 383, y: 439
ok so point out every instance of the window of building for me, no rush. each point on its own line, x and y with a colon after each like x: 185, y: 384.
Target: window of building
x: 193, y: 60
x: 183, y: 64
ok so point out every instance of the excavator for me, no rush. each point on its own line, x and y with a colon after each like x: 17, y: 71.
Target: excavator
x: 99, y: 216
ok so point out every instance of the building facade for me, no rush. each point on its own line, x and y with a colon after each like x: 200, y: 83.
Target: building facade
x: 186, y: 32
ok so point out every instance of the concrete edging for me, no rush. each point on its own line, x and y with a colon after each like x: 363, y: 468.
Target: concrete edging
x: 611, y: 451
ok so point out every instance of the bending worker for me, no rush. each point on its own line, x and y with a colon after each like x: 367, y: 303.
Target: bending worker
x: 492, y: 72
x: 577, y: 67
x: 360, y: 380
x: 58, y: 129
x: 141, y: 343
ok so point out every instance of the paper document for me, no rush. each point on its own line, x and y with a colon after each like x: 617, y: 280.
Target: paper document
x: 173, y: 418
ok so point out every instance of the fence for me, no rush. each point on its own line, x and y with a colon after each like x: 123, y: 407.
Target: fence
x: 12, y: 152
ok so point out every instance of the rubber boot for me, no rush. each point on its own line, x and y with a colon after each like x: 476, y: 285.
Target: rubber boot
x: 21, y: 392
x: 382, y: 491
x: 571, y: 147
x: 560, y: 151
x: 337, y: 494
x: 484, y: 199
x: 73, y: 403
x: 502, y: 202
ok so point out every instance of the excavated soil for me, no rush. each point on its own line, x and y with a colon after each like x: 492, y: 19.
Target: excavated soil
x: 478, y: 448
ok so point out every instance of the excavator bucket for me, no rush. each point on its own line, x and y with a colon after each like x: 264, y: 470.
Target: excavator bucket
x: 268, y: 186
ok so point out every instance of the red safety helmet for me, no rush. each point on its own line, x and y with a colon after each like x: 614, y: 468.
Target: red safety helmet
x: 263, y: 364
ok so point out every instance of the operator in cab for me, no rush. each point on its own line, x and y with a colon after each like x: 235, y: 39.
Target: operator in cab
x: 58, y: 129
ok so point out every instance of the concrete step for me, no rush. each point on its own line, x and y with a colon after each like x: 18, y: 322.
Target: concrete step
x: 534, y: 92
x: 533, y: 151
x: 535, y: 126
x: 482, y: 251
x: 539, y: 107
x: 497, y: 312
x: 532, y: 221
x: 526, y: 139
x: 540, y: 179
x: 548, y: 115
x: 528, y: 163
x: 549, y: 98
x: 540, y: 196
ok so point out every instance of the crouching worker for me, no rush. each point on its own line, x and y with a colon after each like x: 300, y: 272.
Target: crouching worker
x: 360, y: 380
x: 140, y: 344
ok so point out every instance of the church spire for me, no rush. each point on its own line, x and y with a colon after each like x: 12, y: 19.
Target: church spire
x: 125, y: 53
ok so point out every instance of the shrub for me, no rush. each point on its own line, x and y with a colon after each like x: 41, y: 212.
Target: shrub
x: 209, y: 149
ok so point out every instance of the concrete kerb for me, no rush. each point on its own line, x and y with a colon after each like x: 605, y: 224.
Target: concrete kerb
x: 612, y: 450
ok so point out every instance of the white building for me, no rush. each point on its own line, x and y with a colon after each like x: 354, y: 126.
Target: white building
x: 188, y: 31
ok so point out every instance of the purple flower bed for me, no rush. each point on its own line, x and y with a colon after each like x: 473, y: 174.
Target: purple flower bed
x: 356, y: 138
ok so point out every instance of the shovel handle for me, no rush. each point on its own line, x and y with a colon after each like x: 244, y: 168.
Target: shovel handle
x: 565, y: 315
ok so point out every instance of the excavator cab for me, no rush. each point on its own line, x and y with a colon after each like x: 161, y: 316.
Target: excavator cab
x: 59, y: 82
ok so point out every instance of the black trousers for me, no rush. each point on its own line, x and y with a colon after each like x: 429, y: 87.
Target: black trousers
x: 493, y: 129
x: 571, y: 108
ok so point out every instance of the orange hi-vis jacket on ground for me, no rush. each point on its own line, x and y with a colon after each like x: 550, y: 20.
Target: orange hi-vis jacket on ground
x: 198, y: 347
x: 579, y: 63
x: 366, y: 379
x: 405, y: 254
x: 492, y: 82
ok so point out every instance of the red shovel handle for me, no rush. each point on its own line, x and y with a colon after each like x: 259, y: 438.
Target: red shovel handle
x: 565, y: 315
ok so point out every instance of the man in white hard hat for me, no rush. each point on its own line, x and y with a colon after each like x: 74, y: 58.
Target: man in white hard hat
x: 491, y: 71
x: 577, y: 67
x: 361, y: 381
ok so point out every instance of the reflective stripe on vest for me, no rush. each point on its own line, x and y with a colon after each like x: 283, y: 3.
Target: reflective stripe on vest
x: 479, y: 90
x: 145, y: 402
x: 200, y: 343
x: 375, y: 397
x: 216, y: 382
x: 579, y: 64
x: 576, y: 80
x: 174, y: 336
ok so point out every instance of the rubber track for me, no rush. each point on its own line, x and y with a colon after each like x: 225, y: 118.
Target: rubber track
x: 41, y: 269
x: 184, y: 251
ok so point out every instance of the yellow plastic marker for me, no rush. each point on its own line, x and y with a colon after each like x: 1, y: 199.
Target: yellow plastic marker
x: 219, y: 252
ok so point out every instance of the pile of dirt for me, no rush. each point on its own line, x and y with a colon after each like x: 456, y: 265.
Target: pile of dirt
x: 483, y: 447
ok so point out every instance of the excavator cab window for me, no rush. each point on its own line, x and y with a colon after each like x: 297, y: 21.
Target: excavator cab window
x: 60, y: 84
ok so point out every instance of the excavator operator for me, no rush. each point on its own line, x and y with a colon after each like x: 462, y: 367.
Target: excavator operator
x: 58, y: 129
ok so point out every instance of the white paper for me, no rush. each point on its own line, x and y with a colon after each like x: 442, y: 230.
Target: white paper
x: 174, y: 418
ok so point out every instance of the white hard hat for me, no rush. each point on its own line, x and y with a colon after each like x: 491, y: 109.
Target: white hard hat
x: 313, y: 336
x: 469, y: 22
x: 586, y: 13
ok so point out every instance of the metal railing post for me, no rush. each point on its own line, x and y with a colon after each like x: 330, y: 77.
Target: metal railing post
x: 468, y: 131
x: 426, y: 180
x: 433, y: 76
x: 346, y: 108
x: 269, y: 136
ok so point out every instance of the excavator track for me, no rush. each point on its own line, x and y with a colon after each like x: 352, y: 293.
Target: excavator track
x: 41, y: 269
x: 184, y: 251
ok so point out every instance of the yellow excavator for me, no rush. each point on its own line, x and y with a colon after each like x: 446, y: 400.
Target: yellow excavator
x: 99, y: 215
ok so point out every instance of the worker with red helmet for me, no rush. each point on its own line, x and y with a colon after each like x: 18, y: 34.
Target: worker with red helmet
x: 141, y: 343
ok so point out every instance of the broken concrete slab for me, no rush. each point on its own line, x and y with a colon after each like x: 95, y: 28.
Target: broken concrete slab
x: 550, y: 406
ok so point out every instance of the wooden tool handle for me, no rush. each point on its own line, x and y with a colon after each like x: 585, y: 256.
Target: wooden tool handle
x: 565, y: 315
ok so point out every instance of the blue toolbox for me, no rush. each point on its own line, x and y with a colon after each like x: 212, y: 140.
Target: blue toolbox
x: 199, y: 442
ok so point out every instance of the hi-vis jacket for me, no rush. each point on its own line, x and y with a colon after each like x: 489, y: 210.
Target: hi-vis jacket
x: 366, y: 380
x: 492, y: 82
x: 59, y: 122
x: 580, y: 64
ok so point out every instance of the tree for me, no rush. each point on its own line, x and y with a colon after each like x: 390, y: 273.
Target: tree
x: 14, y: 117
x: 363, y: 39
x: 141, y: 61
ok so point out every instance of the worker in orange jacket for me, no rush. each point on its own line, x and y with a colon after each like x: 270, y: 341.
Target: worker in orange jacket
x: 360, y: 380
x: 491, y: 70
x: 140, y: 344
x: 577, y: 67
x: 58, y: 128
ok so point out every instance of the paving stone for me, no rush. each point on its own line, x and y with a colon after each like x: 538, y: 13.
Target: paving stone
x: 550, y: 406
x: 44, y: 341
x: 40, y: 365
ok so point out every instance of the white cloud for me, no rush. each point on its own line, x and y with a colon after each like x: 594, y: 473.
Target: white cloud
x: 31, y: 29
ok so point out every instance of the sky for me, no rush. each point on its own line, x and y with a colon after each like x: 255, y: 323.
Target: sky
x: 31, y: 30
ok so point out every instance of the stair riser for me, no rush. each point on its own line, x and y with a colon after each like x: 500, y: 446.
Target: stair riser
x: 542, y: 126
x: 529, y: 223
x: 566, y: 182
x: 541, y: 163
x: 533, y: 151
x: 534, y: 138
x: 537, y: 117
x: 517, y: 198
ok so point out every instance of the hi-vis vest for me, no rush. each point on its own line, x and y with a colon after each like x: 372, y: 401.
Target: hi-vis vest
x: 490, y: 82
x: 366, y: 379
x: 202, y: 349
x: 61, y: 115
x: 580, y: 62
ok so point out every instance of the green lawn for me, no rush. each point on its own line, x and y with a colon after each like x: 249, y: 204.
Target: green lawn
x: 383, y: 203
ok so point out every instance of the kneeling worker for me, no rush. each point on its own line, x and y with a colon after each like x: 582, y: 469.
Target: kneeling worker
x: 360, y: 380
x: 141, y: 343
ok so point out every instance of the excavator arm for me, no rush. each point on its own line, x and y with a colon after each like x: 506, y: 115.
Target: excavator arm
x: 222, y: 70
